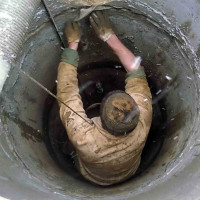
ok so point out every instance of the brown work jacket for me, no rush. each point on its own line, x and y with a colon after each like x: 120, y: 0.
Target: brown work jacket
x: 103, y: 158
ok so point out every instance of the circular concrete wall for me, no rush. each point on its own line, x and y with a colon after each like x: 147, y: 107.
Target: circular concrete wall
x: 167, y: 40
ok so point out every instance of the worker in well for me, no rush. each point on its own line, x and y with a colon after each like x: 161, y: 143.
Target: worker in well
x: 108, y: 147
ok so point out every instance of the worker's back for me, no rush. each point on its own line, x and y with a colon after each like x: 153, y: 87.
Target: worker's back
x: 106, y: 159
x: 103, y: 156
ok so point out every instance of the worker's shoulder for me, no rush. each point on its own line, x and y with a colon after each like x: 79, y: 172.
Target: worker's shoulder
x: 64, y: 64
x: 140, y: 131
x: 137, y: 73
x: 137, y: 80
x: 97, y: 122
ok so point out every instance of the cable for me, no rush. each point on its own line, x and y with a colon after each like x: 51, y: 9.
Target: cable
x: 54, y: 23
x: 49, y: 92
x: 38, y: 83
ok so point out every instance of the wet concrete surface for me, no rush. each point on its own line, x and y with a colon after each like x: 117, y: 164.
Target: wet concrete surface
x: 172, y: 73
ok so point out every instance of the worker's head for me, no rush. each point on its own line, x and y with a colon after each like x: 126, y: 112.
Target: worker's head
x: 119, y: 113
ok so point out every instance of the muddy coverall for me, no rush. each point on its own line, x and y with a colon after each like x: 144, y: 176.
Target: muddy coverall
x: 103, y: 158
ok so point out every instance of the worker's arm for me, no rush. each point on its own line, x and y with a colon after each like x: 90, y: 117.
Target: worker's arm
x: 105, y: 32
x: 126, y: 57
x: 68, y: 92
x: 137, y: 87
x: 136, y: 83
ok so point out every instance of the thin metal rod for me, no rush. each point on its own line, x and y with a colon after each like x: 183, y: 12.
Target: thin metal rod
x: 54, y: 23
x: 49, y: 92
x: 64, y: 45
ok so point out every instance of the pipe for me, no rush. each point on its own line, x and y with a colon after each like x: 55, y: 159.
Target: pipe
x: 15, y: 19
x: 164, y: 33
